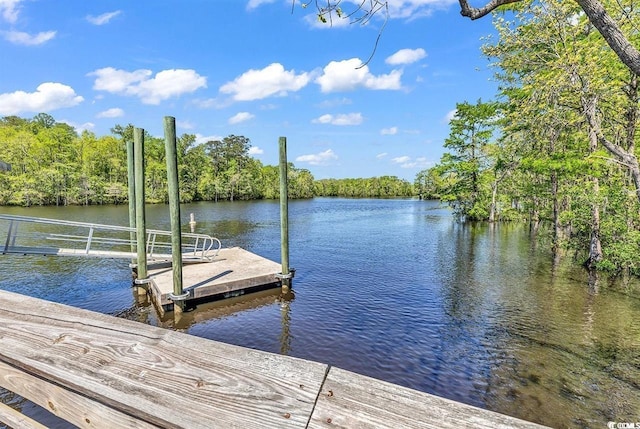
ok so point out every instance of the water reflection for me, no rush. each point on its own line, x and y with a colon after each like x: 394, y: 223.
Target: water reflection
x: 396, y: 290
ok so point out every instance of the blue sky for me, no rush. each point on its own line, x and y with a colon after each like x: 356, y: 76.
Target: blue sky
x: 253, y: 68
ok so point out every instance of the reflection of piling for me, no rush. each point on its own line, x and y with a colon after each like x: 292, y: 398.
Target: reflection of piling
x: 285, y: 320
x: 287, y: 274
x: 192, y: 222
x: 141, y: 227
x: 178, y: 297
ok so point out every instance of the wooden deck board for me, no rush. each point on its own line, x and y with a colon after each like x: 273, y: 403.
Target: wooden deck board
x: 350, y: 400
x: 99, y: 371
x: 232, y: 270
x: 162, y: 377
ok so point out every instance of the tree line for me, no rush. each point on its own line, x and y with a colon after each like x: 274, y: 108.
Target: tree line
x: 557, y: 147
x: 54, y: 165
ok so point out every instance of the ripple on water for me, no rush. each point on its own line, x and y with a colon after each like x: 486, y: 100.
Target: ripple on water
x: 395, y: 289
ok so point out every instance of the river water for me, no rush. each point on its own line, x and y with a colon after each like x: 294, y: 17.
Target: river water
x: 393, y: 289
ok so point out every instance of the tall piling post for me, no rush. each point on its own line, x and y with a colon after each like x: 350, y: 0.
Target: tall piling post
x: 287, y: 274
x: 141, y: 226
x: 178, y: 297
x: 131, y: 182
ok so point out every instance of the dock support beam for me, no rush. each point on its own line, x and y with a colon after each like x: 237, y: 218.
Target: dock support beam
x: 178, y: 297
x: 141, y: 227
x: 287, y: 274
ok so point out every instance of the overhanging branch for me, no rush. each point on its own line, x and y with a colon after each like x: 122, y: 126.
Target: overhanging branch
x: 478, y: 12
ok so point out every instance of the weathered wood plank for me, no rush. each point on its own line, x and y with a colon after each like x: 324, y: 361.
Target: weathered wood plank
x: 234, y: 269
x: 144, y: 370
x: 76, y: 409
x: 16, y: 419
x: 350, y: 400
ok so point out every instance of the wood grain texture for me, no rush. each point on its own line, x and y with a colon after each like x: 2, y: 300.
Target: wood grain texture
x: 16, y: 419
x: 350, y: 400
x: 76, y: 409
x: 98, y: 371
x: 162, y: 377
x: 234, y: 269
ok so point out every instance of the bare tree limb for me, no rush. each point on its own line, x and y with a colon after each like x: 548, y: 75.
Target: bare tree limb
x: 479, y: 12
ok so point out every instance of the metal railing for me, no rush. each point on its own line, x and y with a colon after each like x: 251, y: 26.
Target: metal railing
x: 31, y: 235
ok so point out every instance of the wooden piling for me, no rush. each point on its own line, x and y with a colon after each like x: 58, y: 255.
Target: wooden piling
x: 286, y: 274
x: 141, y: 227
x: 178, y: 296
x: 131, y: 181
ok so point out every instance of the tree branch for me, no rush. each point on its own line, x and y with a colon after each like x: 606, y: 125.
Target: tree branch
x: 611, y: 33
x: 475, y: 12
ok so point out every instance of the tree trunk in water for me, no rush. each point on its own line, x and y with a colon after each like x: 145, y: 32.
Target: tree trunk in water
x: 595, y: 247
x: 534, y: 222
x: 556, y: 211
x: 492, y: 209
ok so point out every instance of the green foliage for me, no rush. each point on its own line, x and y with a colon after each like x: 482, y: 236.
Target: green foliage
x: 52, y: 164
x: 374, y: 187
x: 549, y: 160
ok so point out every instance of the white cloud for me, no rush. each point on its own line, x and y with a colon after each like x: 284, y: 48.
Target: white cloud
x: 401, y: 159
x: 48, y: 96
x: 328, y: 104
x: 389, y: 131
x: 450, y: 115
x: 87, y: 126
x: 209, y: 103
x: 272, y: 80
x: 22, y: 38
x: 104, y: 18
x: 185, y: 125
x: 346, y: 76
x: 150, y: 90
x: 342, y: 119
x: 241, y: 117
x: 413, y: 9
x: 406, y: 56
x: 9, y: 10
x: 321, y: 158
x: 114, y: 112
x: 408, y: 162
x: 382, y: 155
x: 203, y: 139
x: 252, y: 4
x: 255, y: 150
x: 397, y: 9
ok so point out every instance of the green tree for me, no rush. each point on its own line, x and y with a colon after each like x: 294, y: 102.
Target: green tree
x: 472, y: 130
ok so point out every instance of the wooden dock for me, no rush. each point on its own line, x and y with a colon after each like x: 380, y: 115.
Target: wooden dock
x: 98, y: 371
x: 233, y: 271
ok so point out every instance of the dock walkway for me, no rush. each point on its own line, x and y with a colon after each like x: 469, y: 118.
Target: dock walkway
x: 233, y: 271
x: 99, y: 371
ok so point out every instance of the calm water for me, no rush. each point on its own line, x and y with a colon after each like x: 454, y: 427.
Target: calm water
x: 396, y: 290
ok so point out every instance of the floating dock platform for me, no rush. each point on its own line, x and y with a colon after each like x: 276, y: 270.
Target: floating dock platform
x: 232, y: 272
x: 98, y: 371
